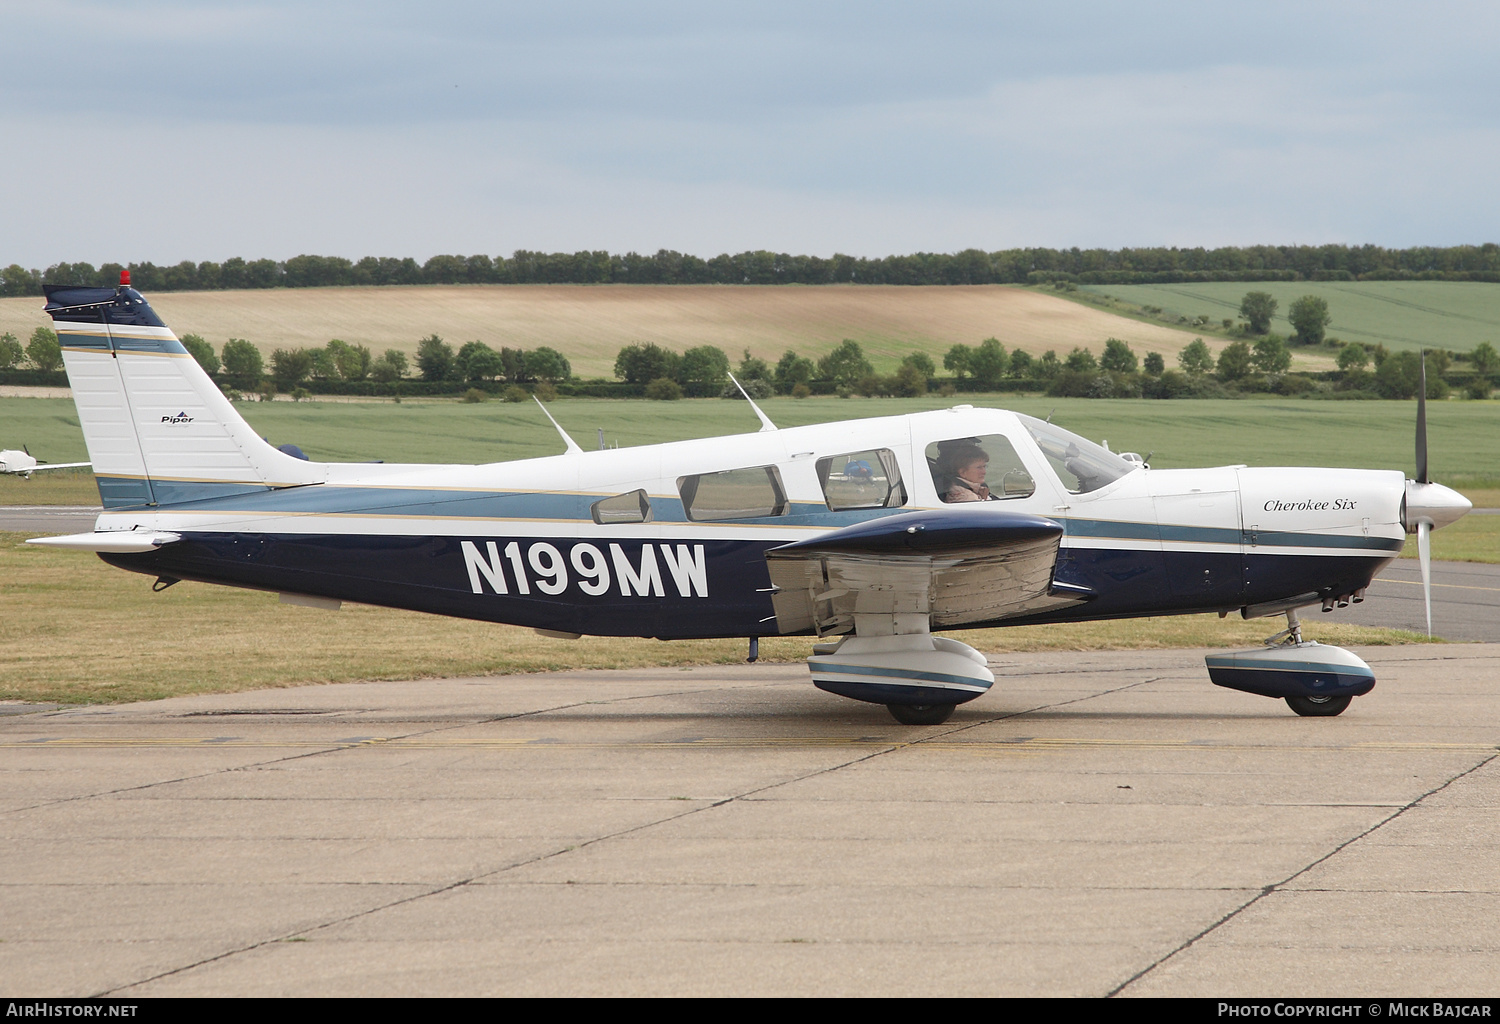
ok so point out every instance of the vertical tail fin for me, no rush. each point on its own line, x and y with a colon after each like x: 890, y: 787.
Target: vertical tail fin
x: 158, y: 430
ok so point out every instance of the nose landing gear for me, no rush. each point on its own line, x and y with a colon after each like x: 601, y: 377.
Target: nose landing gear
x: 1319, y: 707
x: 1316, y: 681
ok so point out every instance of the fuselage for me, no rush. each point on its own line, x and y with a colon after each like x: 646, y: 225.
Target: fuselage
x: 669, y: 540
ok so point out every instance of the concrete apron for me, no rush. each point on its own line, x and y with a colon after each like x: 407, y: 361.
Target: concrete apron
x: 1097, y: 823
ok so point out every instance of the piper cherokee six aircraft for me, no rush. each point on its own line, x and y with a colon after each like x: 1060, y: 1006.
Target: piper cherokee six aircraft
x: 868, y: 534
x: 25, y: 464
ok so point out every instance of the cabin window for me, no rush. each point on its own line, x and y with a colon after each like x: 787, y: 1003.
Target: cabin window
x: 984, y: 468
x: 861, y: 480
x: 631, y: 507
x: 1081, y: 465
x: 733, y: 494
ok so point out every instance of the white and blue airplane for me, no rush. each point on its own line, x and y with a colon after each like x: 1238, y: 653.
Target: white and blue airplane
x: 22, y: 463
x: 869, y: 534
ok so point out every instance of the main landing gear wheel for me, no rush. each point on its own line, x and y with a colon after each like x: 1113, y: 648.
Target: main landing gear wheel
x: 1319, y: 707
x: 921, y: 714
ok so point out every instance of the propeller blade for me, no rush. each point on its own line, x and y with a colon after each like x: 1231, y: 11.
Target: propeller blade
x: 1422, y: 424
x: 1424, y: 555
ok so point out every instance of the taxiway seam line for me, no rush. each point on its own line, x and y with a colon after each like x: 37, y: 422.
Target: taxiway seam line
x: 452, y: 886
x: 1278, y: 886
x: 333, y: 747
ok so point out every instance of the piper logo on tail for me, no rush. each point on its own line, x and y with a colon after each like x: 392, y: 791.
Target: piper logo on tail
x: 181, y: 417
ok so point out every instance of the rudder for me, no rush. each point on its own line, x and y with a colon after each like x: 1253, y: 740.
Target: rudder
x: 158, y: 430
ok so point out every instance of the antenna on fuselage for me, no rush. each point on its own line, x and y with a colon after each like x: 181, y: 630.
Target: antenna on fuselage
x: 765, y: 421
x: 572, y: 444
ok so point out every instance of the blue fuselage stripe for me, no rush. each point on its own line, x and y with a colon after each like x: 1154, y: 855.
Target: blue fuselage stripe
x: 542, y: 505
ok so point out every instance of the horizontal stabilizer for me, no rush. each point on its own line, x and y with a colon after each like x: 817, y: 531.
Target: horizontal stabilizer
x: 115, y: 542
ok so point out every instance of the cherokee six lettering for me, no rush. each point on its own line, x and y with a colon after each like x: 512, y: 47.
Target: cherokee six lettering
x: 1336, y: 505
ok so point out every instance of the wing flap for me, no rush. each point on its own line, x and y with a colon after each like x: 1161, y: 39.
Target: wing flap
x: 957, y: 567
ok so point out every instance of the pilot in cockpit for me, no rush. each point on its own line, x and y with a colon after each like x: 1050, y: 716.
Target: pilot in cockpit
x: 963, y: 469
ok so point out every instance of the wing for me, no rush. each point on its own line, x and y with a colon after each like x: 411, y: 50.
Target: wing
x: 58, y: 465
x: 957, y: 566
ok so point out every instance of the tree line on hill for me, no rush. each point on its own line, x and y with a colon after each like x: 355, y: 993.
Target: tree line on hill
x: 972, y: 266
x: 649, y: 370
x: 239, y: 366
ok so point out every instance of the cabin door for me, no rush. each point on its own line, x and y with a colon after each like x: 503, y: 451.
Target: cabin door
x: 1201, y: 538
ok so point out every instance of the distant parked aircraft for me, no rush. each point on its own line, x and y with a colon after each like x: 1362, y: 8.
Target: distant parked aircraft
x: 24, y: 463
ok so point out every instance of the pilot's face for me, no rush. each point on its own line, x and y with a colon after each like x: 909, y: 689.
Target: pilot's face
x: 974, y: 470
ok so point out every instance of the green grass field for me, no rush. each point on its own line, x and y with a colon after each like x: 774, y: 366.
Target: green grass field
x: 1367, y: 435
x: 1471, y: 539
x: 64, y: 487
x: 1398, y: 314
x: 1464, y: 436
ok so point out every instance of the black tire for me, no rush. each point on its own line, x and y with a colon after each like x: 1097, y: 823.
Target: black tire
x: 1319, y: 707
x: 921, y: 714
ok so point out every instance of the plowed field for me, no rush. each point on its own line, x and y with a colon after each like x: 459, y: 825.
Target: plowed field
x: 589, y: 324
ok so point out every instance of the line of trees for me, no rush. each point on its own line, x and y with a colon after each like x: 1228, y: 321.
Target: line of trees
x: 1241, y: 367
x: 649, y: 369
x: 971, y: 266
x: 41, y: 352
x: 240, y: 365
x: 704, y: 371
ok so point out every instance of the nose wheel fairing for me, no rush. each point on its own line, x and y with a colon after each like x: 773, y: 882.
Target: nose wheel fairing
x: 1312, y: 678
x: 1308, y: 669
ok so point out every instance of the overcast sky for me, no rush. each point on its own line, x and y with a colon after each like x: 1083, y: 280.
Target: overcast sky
x: 170, y: 131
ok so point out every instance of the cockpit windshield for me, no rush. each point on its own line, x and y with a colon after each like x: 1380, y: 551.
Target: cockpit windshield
x: 1082, y: 465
